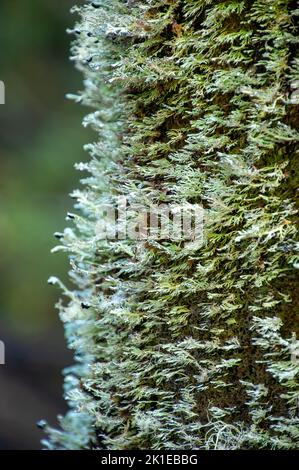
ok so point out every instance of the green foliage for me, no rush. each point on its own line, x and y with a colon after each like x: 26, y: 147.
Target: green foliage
x: 188, y: 348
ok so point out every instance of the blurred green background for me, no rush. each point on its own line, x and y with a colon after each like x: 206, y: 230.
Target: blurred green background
x: 40, y: 140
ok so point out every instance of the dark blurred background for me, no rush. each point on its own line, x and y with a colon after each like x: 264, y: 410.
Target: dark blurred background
x: 40, y: 140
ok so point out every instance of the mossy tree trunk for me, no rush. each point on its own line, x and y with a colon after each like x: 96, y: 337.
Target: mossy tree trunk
x: 182, y: 346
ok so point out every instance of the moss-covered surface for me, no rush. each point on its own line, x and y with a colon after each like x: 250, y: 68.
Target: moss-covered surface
x: 187, y: 346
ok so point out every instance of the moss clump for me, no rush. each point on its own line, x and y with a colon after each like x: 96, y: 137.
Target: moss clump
x: 186, y: 346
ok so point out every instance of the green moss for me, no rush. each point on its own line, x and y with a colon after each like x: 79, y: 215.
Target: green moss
x: 189, y: 347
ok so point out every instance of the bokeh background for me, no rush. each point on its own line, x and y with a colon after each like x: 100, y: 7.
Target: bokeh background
x: 41, y: 138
